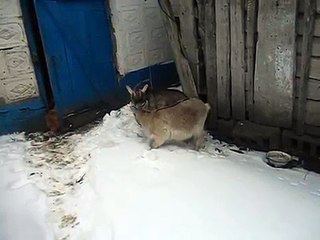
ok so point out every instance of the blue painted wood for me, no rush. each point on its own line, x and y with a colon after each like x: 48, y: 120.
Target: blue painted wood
x: 33, y: 42
x: 77, y: 42
x: 158, y: 76
x: 26, y: 115
x: 80, y: 58
x: 76, y: 37
x: 23, y: 116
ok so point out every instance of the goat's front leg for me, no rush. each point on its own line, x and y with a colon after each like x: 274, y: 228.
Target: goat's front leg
x: 156, y: 141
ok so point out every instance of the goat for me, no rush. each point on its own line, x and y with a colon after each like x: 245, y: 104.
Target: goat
x: 155, y: 99
x: 180, y: 122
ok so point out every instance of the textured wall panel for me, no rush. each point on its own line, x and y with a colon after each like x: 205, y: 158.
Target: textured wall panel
x: 19, y: 88
x: 11, y: 33
x: 9, y: 8
x: 17, y: 78
x: 140, y: 36
x: 14, y: 62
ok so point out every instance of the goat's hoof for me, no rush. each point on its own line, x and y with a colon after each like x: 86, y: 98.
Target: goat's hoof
x: 154, y: 145
x: 151, y: 144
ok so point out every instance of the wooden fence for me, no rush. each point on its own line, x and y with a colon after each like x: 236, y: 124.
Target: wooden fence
x: 256, y: 62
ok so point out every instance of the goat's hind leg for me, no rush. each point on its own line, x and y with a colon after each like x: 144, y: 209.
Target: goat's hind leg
x: 198, y: 140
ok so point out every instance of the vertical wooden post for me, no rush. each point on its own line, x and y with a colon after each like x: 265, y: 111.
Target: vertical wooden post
x: 237, y: 59
x: 251, y: 30
x: 182, y: 64
x: 211, y: 60
x: 202, y: 88
x: 223, y: 57
x: 275, y: 63
x: 201, y: 24
x: 308, y: 23
x: 189, y: 39
x: 201, y: 21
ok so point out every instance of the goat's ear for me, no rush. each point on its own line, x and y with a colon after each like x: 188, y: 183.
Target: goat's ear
x: 144, y: 89
x: 130, y: 90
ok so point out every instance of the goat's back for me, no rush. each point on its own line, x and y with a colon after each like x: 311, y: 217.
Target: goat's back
x: 183, y: 116
x: 165, y: 98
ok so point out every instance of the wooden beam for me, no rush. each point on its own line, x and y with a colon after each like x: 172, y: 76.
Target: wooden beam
x: 202, y: 89
x: 189, y: 38
x: 238, y: 66
x: 275, y: 63
x: 201, y: 21
x: 312, y: 130
x: 308, y: 23
x: 311, y: 113
x: 183, y: 67
x: 315, y: 47
x: 313, y: 89
x: 211, y: 60
x: 314, y: 71
x: 251, y: 31
x: 300, y: 26
x: 223, y: 57
x: 301, y: 4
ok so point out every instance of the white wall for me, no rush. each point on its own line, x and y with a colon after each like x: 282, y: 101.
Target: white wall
x: 140, y: 36
x: 17, y: 78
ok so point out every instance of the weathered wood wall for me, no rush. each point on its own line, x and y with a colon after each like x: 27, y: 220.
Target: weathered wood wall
x: 275, y: 63
x: 250, y: 58
x: 308, y: 35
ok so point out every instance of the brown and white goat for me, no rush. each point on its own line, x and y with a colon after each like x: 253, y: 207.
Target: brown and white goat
x: 182, y: 121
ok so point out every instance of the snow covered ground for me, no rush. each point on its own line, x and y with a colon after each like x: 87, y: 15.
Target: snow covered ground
x: 105, y: 183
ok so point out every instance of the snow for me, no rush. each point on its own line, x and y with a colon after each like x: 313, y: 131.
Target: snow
x: 23, y: 206
x: 105, y: 183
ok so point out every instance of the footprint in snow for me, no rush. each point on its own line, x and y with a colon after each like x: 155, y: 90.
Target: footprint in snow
x: 110, y: 144
x: 149, y: 159
x: 303, y: 183
x: 294, y: 184
x: 259, y: 169
x: 150, y: 155
x: 18, y: 184
x: 315, y: 193
x: 16, y: 169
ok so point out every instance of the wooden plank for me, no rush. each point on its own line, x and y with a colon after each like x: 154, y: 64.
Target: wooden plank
x: 250, y: 37
x: 313, y: 89
x: 223, y: 57
x: 275, y: 63
x: 312, y: 130
x: 301, y: 6
x: 315, y: 46
x: 175, y: 5
x: 238, y: 66
x: 311, y: 114
x: 211, y: 60
x: 316, y: 26
x: 189, y: 39
x: 314, y: 68
x: 183, y: 67
x: 308, y: 20
x: 202, y: 89
x: 201, y: 18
